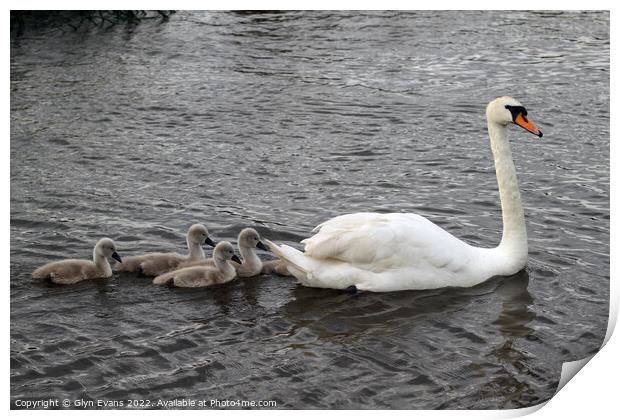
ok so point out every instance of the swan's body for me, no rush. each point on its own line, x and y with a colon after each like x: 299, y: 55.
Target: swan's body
x: 159, y: 262
x: 204, y: 275
x: 74, y: 271
x: 398, y: 251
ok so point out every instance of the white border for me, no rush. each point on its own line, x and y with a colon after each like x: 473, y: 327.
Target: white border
x: 593, y: 393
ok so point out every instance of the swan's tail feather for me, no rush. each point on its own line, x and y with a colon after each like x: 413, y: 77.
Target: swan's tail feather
x: 293, y: 258
x: 164, y: 278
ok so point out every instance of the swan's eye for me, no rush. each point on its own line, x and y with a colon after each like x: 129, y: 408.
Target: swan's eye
x: 516, y: 110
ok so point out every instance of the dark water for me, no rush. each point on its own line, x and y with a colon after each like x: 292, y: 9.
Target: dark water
x: 280, y: 121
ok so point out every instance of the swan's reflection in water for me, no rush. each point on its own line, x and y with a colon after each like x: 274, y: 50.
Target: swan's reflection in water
x: 508, y: 386
x: 427, y: 341
x: 515, y: 315
x: 331, y: 312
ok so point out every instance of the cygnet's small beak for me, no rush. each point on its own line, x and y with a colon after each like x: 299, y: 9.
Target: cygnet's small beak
x: 262, y: 246
x: 208, y: 241
x: 236, y: 259
x: 117, y: 257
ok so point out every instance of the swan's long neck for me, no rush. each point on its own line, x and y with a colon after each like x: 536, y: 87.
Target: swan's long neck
x: 195, y: 250
x: 514, y: 236
x: 102, y: 263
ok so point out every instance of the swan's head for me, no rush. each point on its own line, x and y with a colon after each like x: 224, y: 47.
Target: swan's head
x: 507, y: 110
x: 198, y: 234
x: 224, y: 251
x: 107, y: 249
x: 249, y: 238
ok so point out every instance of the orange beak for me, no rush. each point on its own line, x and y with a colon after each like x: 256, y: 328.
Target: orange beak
x: 527, y: 124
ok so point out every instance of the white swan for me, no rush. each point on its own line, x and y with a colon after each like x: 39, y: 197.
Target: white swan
x: 400, y: 251
x: 205, y: 275
x: 162, y: 262
x: 73, y: 271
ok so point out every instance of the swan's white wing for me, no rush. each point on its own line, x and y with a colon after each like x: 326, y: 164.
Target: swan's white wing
x: 378, y: 242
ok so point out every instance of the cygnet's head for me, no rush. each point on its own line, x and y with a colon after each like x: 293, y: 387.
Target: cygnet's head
x: 198, y: 234
x: 249, y: 238
x: 507, y: 110
x: 225, y: 251
x: 106, y: 248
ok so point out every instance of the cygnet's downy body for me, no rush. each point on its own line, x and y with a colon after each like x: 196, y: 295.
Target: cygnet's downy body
x: 275, y: 267
x: 74, y: 271
x: 204, y: 275
x: 251, y: 265
x: 158, y: 263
